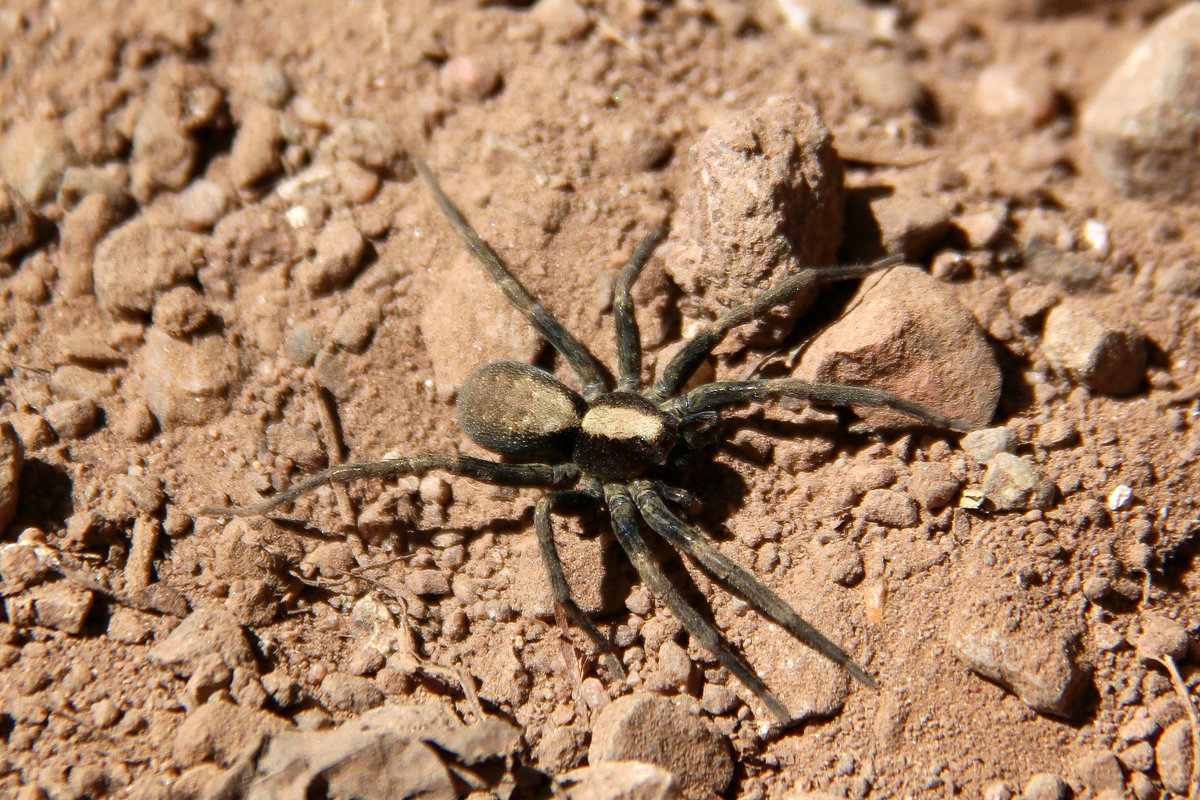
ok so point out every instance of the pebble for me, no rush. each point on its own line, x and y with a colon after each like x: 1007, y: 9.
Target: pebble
x: 1049, y: 263
x: 675, y: 669
x: 906, y: 333
x: 1143, y: 142
x: 180, y: 311
x: 1162, y: 636
x: 79, y: 383
x: 1031, y: 302
x: 1013, y: 483
x: 1138, y: 758
x: 59, y: 606
x: 893, y: 222
x: 255, y: 155
x: 1033, y: 661
x: 667, y: 733
x: 210, y: 675
x: 19, y: 226
x: 186, y: 382
x: 1141, y: 727
x: 1056, y: 433
x: 1173, y: 756
x: 219, y: 730
x: 621, y: 780
x: 139, y: 261
x: 766, y: 198
x: 12, y: 460
x: 253, y: 602
x: 32, y: 430
x: 888, y: 87
x: 469, y: 78
x: 72, y: 419
x: 1143, y: 787
x: 1089, y: 350
x: 427, y: 582
x: 368, y: 143
x: 889, y: 508
x: 340, y: 251
x: 80, y: 232
x: 982, y: 228
x: 933, y: 485
x: 562, y: 20
x: 983, y: 444
x: 355, y: 327
x: 34, y: 153
x: 1098, y: 771
x: 351, y: 692
x: 356, y: 184
x: 202, y: 204
x: 201, y: 633
x: 281, y: 687
x: 1019, y: 94
x: 1045, y: 786
x: 184, y: 102
x: 843, y: 562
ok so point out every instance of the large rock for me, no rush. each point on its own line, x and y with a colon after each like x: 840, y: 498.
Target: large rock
x: 1142, y: 126
x: 766, y: 199
x: 906, y: 333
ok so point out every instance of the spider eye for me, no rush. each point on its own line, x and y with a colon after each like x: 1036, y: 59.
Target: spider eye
x: 521, y: 411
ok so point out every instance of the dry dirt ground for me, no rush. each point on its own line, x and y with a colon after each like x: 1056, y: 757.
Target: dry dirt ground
x: 220, y: 274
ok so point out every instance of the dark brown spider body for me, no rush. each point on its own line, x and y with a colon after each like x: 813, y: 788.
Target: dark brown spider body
x: 618, y: 448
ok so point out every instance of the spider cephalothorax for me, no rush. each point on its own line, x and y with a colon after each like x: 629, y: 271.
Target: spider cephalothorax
x: 615, y: 447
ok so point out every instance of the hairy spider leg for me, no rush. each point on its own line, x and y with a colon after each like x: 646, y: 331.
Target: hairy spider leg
x: 559, y: 588
x: 722, y: 394
x: 685, y: 362
x: 502, y: 474
x: 629, y: 343
x: 625, y: 525
x: 591, y: 375
x: 700, y: 548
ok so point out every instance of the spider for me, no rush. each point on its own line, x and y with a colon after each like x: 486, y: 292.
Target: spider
x: 621, y: 447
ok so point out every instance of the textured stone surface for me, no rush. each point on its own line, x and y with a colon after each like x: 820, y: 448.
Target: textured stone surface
x: 1103, y: 355
x: 907, y: 334
x: 1144, y: 141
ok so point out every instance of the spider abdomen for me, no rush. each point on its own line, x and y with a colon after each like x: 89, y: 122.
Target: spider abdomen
x: 521, y: 411
x: 621, y: 435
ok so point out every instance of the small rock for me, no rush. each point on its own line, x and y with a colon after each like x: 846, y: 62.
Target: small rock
x: 1046, y: 786
x: 1162, y: 636
x: 255, y: 157
x: 126, y: 627
x: 202, y: 205
x: 32, y: 430
x: 355, y: 327
x: 60, y: 606
x: 982, y: 444
x: 427, y: 582
x: 282, y: 688
x: 12, y: 460
x: 19, y: 228
x: 72, y: 419
x: 1143, y: 787
x: 1031, y: 303
x: 247, y: 690
x: 79, y: 383
x: 562, y: 20
x: 1023, y: 95
x: 209, y: 676
x: 34, y: 153
x: 660, y: 731
x: 878, y: 223
x: 889, y: 508
x: 368, y: 143
x: 253, y: 602
x: 1099, y: 771
x: 469, y: 78
x: 186, y: 383
x: 888, y: 86
x: 203, y: 632
x: 180, y: 311
x: 843, y: 562
x: 1138, y: 758
x: 1013, y: 483
x: 1144, y: 142
x: 220, y: 731
x: 139, y: 261
x: 1048, y: 263
x: 365, y: 661
x: 1032, y: 659
x: 621, y: 780
x: 674, y: 671
x: 906, y: 333
x: 1104, y: 357
x: 21, y: 568
x: 1173, y: 755
x: 1139, y: 728
x: 766, y: 200
x: 80, y: 233
x: 352, y: 693
x: 339, y: 256
x: 933, y: 485
x: 982, y: 228
x: 356, y: 184
x: 1056, y: 433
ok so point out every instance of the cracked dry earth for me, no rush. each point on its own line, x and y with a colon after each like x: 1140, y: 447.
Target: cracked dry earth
x: 219, y: 274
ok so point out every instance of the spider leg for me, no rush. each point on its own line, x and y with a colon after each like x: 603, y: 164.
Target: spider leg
x: 703, y: 343
x: 478, y: 468
x: 700, y: 549
x: 629, y: 344
x: 561, y: 591
x: 720, y: 394
x: 591, y: 375
x: 626, y: 527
